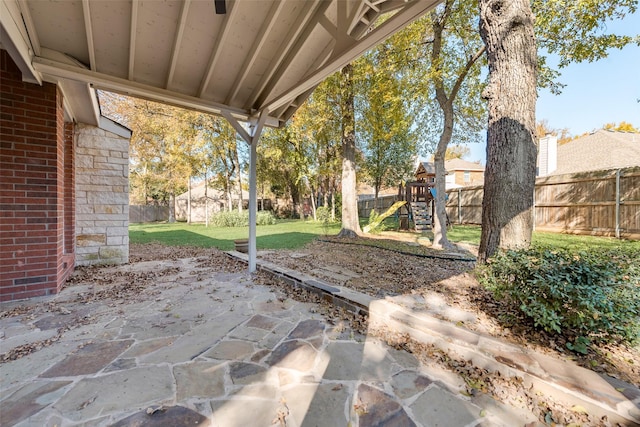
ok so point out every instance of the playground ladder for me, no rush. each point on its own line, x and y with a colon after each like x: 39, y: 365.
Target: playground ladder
x: 421, y: 215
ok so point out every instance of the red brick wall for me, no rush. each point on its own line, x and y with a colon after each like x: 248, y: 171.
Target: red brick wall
x: 69, y: 201
x: 32, y: 186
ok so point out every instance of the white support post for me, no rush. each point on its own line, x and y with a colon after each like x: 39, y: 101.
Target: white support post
x: 253, y: 249
x: 252, y: 137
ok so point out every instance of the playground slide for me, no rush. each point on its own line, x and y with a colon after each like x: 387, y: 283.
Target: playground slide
x: 381, y: 218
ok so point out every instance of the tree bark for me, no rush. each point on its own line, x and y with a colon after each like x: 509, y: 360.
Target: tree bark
x: 236, y: 160
x: 206, y: 200
x: 172, y: 208
x: 506, y: 28
x: 189, y: 202
x: 350, y: 223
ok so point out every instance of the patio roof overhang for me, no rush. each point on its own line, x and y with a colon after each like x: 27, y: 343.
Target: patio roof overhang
x: 261, y: 55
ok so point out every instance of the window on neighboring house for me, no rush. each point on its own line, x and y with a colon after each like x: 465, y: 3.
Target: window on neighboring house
x: 450, y: 178
x: 467, y: 176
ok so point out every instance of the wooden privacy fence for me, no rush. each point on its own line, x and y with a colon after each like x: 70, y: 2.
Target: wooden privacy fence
x: 599, y: 203
x: 148, y: 213
x: 383, y: 203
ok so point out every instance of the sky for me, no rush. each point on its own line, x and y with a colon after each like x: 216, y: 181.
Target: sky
x: 596, y: 93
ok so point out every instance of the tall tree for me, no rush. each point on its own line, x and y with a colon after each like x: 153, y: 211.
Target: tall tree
x: 506, y: 27
x: 321, y: 113
x: 385, y: 124
x: 455, y: 56
x: 573, y: 30
x: 286, y: 154
x: 350, y: 222
x: 576, y: 31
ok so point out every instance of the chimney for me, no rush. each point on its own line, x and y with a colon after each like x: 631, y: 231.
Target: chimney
x: 547, y: 155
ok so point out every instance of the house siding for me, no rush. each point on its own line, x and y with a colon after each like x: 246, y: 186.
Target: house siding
x: 475, y: 177
x: 102, y: 196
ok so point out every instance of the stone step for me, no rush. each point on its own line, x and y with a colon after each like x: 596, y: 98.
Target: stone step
x: 562, y: 380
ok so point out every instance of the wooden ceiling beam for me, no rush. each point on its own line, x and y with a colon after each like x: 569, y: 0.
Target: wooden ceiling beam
x: 132, y: 37
x: 284, y: 55
x: 177, y: 42
x: 217, y: 49
x: 259, y: 42
x: 338, y: 60
x: 88, y: 27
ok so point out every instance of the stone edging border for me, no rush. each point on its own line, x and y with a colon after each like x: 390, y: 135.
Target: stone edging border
x: 559, y: 379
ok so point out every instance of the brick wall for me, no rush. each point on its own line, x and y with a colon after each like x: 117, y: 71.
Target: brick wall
x: 69, y: 174
x: 102, y: 196
x: 32, y: 186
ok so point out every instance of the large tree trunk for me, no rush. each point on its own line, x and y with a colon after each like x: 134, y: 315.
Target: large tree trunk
x: 206, y: 201
x: 506, y: 28
x: 172, y: 208
x: 439, y: 220
x: 350, y: 223
x: 189, y: 202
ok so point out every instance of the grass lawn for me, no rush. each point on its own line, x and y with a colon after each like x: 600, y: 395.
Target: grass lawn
x: 292, y: 234
x: 471, y: 234
x: 283, y: 235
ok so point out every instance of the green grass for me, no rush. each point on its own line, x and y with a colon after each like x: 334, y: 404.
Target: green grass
x: 283, y: 235
x: 292, y: 234
x: 471, y: 234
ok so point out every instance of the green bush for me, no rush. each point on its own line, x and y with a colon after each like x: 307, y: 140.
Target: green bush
x: 237, y: 219
x: 264, y: 218
x: 323, y: 214
x: 587, y: 296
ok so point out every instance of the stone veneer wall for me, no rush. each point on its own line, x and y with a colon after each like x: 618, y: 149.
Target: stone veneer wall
x: 102, y: 197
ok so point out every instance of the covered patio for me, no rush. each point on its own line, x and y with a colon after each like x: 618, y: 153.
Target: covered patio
x: 252, y: 62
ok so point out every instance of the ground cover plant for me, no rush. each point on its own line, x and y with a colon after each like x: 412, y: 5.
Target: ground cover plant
x: 587, y: 296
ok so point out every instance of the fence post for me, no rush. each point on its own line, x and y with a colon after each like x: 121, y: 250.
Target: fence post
x: 459, y: 208
x: 533, y: 208
x: 617, y: 203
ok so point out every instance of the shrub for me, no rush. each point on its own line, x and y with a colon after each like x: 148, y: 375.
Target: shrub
x: 264, y: 218
x: 237, y: 219
x: 587, y: 296
x: 323, y: 214
x: 375, y: 226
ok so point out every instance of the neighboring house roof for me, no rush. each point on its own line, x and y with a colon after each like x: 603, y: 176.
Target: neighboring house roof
x: 462, y: 165
x: 426, y: 167
x: 449, y: 166
x: 602, y: 149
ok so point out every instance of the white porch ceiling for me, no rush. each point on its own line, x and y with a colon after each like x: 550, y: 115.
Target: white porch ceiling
x: 262, y: 55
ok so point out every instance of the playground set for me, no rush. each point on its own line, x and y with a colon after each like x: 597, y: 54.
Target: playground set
x: 414, y: 207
